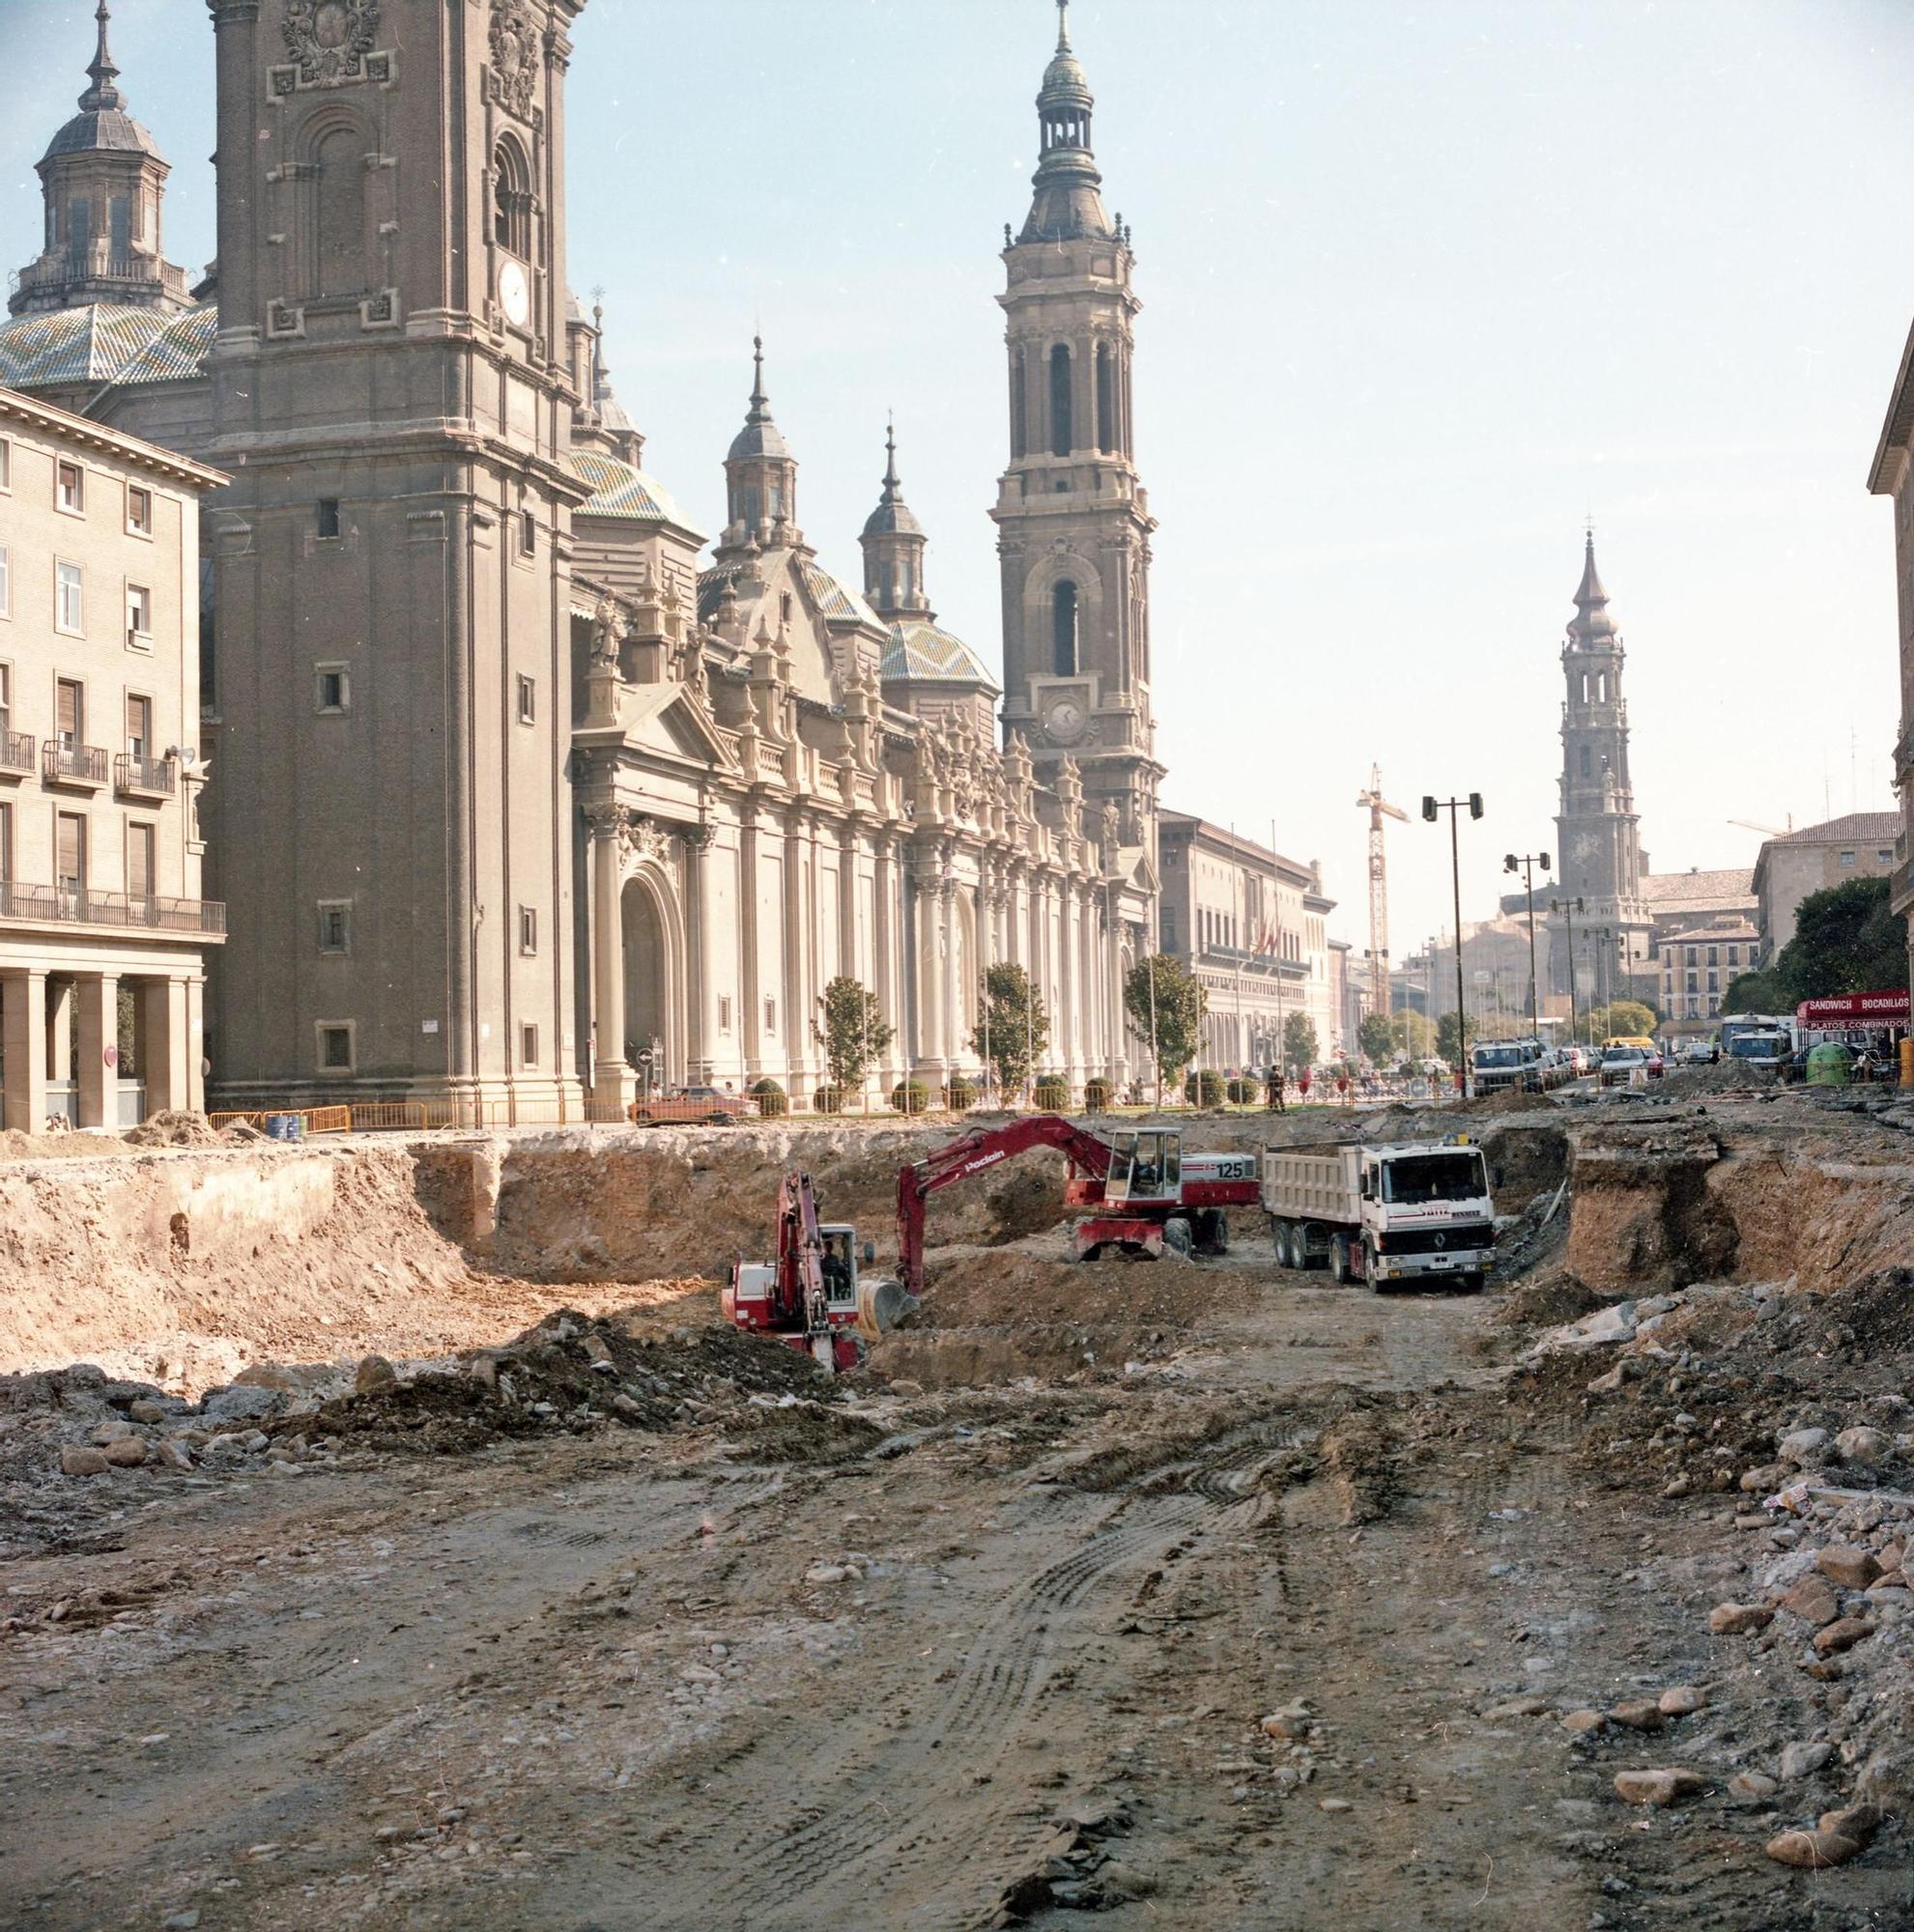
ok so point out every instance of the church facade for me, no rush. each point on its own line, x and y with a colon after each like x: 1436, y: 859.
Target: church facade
x: 514, y: 794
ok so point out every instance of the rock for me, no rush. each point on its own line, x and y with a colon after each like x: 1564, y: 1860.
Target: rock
x: 374, y: 1373
x: 1753, y: 1785
x: 78, y: 1461
x: 1848, y: 1568
x: 1639, y: 1714
x: 126, y: 1451
x: 1516, y: 1707
x: 1858, y: 1822
x: 1580, y: 1724
x: 826, y: 1573
x: 171, y: 1456
x: 242, y: 1403
x: 1803, y: 1447
x: 1607, y: 1384
x: 1811, y: 1849
x: 1864, y: 1445
x: 1658, y: 1788
x: 1739, y: 1619
x: 1814, y: 1600
x: 1768, y: 1477
x: 182, y: 1921
x: 700, y: 1673
x: 1681, y: 1701
x: 1293, y: 1722
x: 143, y: 1411
x: 1803, y: 1760
x: 1893, y: 1579
x: 483, y: 1370
x: 1334, y: 1804
x: 109, y: 1431
x: 595, y: 1350
x: 1843, y: 1634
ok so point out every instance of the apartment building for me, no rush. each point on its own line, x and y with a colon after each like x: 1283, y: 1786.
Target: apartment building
x: 102, y: 929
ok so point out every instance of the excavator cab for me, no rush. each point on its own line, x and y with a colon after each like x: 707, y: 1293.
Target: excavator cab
x: 838, y: 1265
x: 1144, y: 1167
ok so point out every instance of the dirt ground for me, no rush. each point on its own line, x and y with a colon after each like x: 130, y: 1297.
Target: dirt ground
x: 1195, y: 1595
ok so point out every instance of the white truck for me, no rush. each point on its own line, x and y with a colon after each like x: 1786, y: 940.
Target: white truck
x: 1382, y: 1214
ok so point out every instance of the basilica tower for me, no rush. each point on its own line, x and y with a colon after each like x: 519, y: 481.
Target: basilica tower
x: 1073, y: 521
x: 1597, y: 831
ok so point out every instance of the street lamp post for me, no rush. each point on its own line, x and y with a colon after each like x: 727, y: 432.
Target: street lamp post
x: 1454, y: 806
x: 1526, y: 863
x: 1568, y: 908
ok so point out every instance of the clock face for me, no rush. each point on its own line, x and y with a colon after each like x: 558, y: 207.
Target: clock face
x: 514, y: 295
x: 1064, y: 721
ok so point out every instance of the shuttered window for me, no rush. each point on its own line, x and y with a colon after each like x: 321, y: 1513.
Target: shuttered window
x: 139, y: 861
x: 70, y: 844
x: 139, y: 726
x: 69, y: 712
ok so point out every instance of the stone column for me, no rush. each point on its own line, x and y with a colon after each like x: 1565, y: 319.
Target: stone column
x: 609, y: 1071
x: 24, y: 995
x: 170, y: 1063
x: 59, y: 1028
x: 195, y: 993
x: 100, y: 1030
x: 751, y: 1019
x: 1117, y: 1059
x: 883, y: 959
x: 700, y: 947
x: 953, y: 1001
x: 794, y: 1012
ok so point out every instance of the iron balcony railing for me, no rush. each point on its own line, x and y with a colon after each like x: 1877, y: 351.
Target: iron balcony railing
x: 68, y: 907
x: 71, y: 764
x: 17, y: 751
x: 154, y: 775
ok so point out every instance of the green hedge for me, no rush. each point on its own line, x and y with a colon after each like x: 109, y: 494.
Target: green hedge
x: 1205, y: 1088
x: 1096, y: 1097
x: 1052, y: 1094
x: 1244, y: 1093
x: 772, y: 1101
x: 910, y: 1097
x: 828, y: 1100
x: 960, y: 1095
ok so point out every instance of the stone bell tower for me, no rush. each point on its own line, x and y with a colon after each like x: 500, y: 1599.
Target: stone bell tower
x: 391, y: 704
x: 1073, y: 520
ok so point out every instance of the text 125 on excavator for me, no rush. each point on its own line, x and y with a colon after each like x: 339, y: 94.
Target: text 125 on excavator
x: 1142, y: 1192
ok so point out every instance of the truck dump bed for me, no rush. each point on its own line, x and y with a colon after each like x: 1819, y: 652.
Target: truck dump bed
x: 1312, y: 1183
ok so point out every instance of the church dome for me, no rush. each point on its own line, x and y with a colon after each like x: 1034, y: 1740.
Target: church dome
x: 97, y: 129
x: 760, y: 437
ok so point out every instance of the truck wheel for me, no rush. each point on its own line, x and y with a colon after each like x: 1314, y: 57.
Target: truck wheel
x: 1279, y: 1242
x: 1176, y: 1234
x: 1339, y: 1259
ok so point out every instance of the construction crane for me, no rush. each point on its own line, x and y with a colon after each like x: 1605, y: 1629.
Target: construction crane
x: 1379, y: 808
x: 1769, y: 830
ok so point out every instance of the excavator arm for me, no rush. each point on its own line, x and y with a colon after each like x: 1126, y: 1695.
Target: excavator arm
x: 800, y: 1277
x: 971, y: 1154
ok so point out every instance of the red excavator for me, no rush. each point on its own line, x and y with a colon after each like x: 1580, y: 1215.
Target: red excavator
x: 1143, y: 1193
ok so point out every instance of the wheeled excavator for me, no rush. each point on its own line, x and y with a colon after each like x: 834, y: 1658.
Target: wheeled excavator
x: 1136, y: 1192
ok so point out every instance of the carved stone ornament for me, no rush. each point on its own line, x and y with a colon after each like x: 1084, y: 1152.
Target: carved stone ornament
x: 329, y: 39
x: 514, y: 56
x: 645, y: 838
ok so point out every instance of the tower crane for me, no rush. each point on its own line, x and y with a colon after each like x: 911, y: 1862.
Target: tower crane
x: 1379, y: 808
x: 1770, y: 830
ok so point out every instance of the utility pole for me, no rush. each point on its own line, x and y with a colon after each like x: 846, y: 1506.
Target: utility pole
x: 1453, y: 807
x: 1378, y: 808
x: 1568, y: 908
x: 1526, y: 863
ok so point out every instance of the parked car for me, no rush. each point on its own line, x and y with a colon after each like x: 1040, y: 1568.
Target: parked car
x: 1578, y: 1058
x: 1701, y: 1051
x: 711, y: 1105
x: 1620, y: 1063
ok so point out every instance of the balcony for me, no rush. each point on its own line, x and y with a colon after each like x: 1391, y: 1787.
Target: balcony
x: 16, y: 755
x: 55, y: 273
x: 146, y: 777
x: 60, y: 905
x: 82, y: 765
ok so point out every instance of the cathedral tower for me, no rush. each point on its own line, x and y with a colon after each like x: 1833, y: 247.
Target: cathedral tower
x: 392, y: 701
x: 1072, y: 519
x: 103, y: 181
x: 893, y: 545
x: 1597, y: 831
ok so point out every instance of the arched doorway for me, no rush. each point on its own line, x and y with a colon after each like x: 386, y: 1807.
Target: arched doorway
x: 654, y: 980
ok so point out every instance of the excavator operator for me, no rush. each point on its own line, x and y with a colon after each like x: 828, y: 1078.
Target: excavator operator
x: 835, y: 1266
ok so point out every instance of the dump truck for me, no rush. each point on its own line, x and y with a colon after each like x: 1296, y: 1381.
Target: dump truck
x: 1407, y: 1212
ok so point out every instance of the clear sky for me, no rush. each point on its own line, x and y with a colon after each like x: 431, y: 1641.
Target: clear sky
x: 1424, y: 285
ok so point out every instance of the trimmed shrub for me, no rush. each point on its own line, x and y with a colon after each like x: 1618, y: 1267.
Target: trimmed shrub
x: 1052, y: 1094
x: 910, y: 1096
x: 772, y: 1099
x: 1244, y: 1093
x: 960, y: 1095
x: 828, y: 1100
x: 1205, y: 1088
x: 1096, y: 1097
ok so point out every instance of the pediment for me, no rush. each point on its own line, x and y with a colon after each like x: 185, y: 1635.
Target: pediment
x: 672, y: 719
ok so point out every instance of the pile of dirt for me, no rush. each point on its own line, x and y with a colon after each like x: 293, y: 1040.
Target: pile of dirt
x: 1722, y: 1077
x: 173, y: 1128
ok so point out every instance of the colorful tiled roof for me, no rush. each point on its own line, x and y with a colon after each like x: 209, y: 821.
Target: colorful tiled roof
x: 917, y: 649
x: 836, y: 600
x: 711, y: 590
x: 621, y: 490
x: 102, y: 343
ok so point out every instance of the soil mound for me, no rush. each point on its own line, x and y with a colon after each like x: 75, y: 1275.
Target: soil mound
x: 174, y: 1129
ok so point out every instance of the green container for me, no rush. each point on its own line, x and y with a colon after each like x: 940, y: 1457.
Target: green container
x: 1829, y: 1065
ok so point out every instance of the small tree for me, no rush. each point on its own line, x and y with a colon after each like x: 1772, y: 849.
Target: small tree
x: 1013, y: 1027
x: 1376, y: 1038
x: 1756, y: 992
x: 1845, y: 941
x: 1204, y: 1089
x: 1415, y: 1038
x: 1622, y: 1017
x: 852, y: 1029
x: 1447, y: 1046
x: 1299, y: 1042
x: 1166, y: 1004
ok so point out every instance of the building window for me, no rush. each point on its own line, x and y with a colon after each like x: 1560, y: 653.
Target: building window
x: 1106, y: 410
x: 6, y: 844
x: 338, y: 178
x: 1061, y: 433
x: 337, y: 1044
x: 724, y: 1012
x: 528, y: 534
x: 1714, y: 958
x: 1884, y: 856
x: 139, y: 728
x: 69, y: 487
x: 1063, y: 628
x: 770, y: 1015
x: 1734, y: 955
x: 69, y: 599
x: 1714, y: 983
x: 6, y: 462
x: 6, y: 582
x: 529, y: 930
x: 139, y: 617
x: 328, y: 518
x: 139, y: 511
x: 511, y: 200
x: 69, y: 853
x: 68, y: 711
x: 139, y: 859
x: 334, y: 688
x: 528, y: 701
x: 528, y: 1045
x: 1691, y: 957
x: 335, y: 925
x: 1020, y: 439
x: 1169, y: 929
x: 1847, y: 858
x: 6, y: 699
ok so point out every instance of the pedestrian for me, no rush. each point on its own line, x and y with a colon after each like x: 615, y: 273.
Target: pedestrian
x: 1278, y: 1081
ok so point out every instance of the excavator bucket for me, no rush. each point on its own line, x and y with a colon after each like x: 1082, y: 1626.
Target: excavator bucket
x: 882, y: 1304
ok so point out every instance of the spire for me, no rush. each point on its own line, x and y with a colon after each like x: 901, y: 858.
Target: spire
x: 892, y: 543
x: 760, y: 402
x: 102, y: 73
x: 760, y: 472
x: 893, y: 516
x: 890, y: 444
x: 1066, y: 206
x: 1592, y: 623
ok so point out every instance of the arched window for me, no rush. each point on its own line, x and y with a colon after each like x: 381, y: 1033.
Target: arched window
x: 1062, y: 628
x: 1601, y: 687
x: 340, y: 162
x: 1106, y: 399
x: 1019, y: 430
x: 511, y: 199
x: 1061, y: 440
